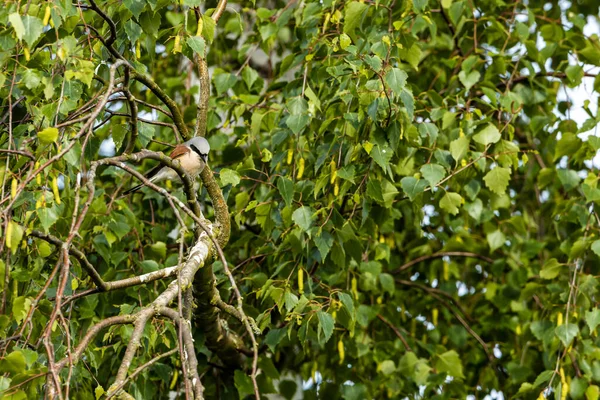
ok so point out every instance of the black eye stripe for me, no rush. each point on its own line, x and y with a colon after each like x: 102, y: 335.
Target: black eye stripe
x: 197, y: 151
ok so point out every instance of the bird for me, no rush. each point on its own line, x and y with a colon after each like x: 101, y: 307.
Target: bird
x: 192, y: 156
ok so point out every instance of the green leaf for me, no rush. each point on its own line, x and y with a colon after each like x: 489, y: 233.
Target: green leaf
x: 33, y: 29
x: 543, y: 378
x: 31, y: 78
x: 326, y: 324
x: 566, y: 333
x: 229, y: 176
x: 382, y: 156
x: 451, y: 201
x: 468, y: 80
x: 574, y: 74
x: 44, y: 249
x: 17, y: 24
x: 197, y: 44
x: 592, y: 318
x: 99, y: 391
x: 347, y: 173
x: 208, y: 27
x: 387, y: 283
x: 13, y: 363
x: 353, y: 16
x: 495, y: 239
x: 243, y: 384
x: 224, y: 82
x: 416, y: 368
x: 497, y: 180
x: 20, y: 308
x: 387, y: 367
x: 412, y: 186
x: 48, y: 135
x: 590, y: 193
x: 16, y: 235
x: 324, y: 242
x: 396, y: 79
x: 450, y: 363
x: 551, y: 269
x: 135, y: 6
x: 459, y: 148
x: 48, y: 217
x: 345, y: 41
x: 428, y: 130
x: 592, y: 392
x: 347, y: 301
x: 374, y: 190
x: 568, y: 178
x: 149, y: 266
x: 286, y: 189
x: 596, y: 247
x: 433, y: 173
x: 303, y: 217
x: 487, y: 135
x: 297, y: 122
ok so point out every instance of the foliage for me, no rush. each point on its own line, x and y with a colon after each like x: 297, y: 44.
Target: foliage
x: 413, y: 210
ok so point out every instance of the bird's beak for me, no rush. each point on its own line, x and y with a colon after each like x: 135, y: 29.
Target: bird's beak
x: 205, y: 159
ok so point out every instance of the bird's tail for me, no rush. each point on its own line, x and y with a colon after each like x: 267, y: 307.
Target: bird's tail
x: 133, y: 189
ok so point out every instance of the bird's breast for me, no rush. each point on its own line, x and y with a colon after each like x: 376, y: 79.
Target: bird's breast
x: 192, y: 163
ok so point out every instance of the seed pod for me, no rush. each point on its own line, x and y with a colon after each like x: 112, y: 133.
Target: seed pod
x: 200, y: 26
x: 177, y: 45
x: 300, y: 169
x: 38, y: 177
x: 336, y: 188
x: 9, y: 230
x: 290, y: 156
x: 174, y: 380
x: 46, y: 15
x: 541, y: 396
x: 138, y: 50
x: 326, y: 23
x: 341, y: 351
x: 354, y: 285
x: 333, y: 169
x: 434, y: 316
x: 300, y: 280
x: 559, y: 319
x: 55, y: 190
x: 13, y: 188
x: 26, y: 52
x: 446, y: 271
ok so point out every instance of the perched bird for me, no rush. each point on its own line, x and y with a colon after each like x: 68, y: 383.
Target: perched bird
x: 192, y: 156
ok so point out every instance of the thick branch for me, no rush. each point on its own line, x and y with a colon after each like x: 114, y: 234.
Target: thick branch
x: 219, y: 205
x: 202, y: 110
x: 91, y: 333
x: 169, y: 102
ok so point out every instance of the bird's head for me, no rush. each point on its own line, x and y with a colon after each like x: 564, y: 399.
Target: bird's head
x: 200, y: 146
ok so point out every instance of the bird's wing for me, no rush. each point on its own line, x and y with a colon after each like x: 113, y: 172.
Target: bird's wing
x: 179, y: 151
x: 153, y: 171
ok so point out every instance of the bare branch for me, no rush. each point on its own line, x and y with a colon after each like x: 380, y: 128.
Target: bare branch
x: 440, y: 255
x: 141, y: 368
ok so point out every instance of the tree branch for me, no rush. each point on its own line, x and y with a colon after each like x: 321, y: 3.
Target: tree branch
x: 440, y: 255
